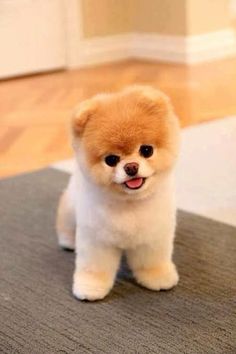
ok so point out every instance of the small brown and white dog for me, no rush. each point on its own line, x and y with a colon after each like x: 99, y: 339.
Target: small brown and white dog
x: 121, y: 196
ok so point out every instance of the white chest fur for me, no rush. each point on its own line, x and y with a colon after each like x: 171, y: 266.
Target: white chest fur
x: 124, y: 224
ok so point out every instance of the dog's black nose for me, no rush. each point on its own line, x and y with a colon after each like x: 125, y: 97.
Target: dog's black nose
x: 131, y: 168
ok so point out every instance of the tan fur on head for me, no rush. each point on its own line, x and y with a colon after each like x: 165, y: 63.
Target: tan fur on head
x: 119, y: 123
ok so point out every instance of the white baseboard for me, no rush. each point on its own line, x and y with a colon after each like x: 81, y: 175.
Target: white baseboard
x: 177, y: 49
x: 104, y: 49
x: 185, y: 49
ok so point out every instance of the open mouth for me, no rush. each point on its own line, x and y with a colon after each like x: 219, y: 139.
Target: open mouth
x: 135, y: 183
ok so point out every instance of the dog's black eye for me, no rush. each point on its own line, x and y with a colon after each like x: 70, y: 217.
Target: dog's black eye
x: 112, y: 160
x: 146, y: 150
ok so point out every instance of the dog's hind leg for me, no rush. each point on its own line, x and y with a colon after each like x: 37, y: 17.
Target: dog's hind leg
x: 66, y: 222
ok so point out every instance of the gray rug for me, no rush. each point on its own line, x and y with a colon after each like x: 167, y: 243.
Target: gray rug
x: 39, y: 315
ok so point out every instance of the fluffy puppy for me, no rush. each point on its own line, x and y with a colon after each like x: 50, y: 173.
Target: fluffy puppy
x: 121, y: 196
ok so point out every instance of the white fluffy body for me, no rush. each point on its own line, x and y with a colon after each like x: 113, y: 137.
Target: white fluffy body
x: 105, y: 227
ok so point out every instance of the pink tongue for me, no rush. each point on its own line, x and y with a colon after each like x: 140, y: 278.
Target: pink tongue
x: 134, y: 183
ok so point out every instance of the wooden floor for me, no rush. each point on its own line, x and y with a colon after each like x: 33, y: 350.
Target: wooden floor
x: 34, y: 111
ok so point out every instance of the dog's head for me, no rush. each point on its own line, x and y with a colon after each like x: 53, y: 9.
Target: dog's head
x: 125, y: 141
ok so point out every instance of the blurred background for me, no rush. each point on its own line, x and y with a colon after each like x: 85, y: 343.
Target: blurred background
x: 55, y: 53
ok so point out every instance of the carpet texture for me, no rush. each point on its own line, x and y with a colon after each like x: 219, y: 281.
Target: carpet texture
x: 38, y: 313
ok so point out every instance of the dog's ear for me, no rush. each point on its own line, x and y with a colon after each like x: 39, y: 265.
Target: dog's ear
x: 82, y: 113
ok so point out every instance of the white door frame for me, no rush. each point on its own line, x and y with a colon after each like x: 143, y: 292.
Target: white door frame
x: 73, y: 32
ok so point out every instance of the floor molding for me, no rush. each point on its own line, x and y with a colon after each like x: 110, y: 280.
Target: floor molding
x: 105, y: 49
x: 177, y: 49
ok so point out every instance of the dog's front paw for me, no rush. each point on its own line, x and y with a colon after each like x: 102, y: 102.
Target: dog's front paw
x: 163, y: 277
x: 91, y: 285
x: 66, y: 241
